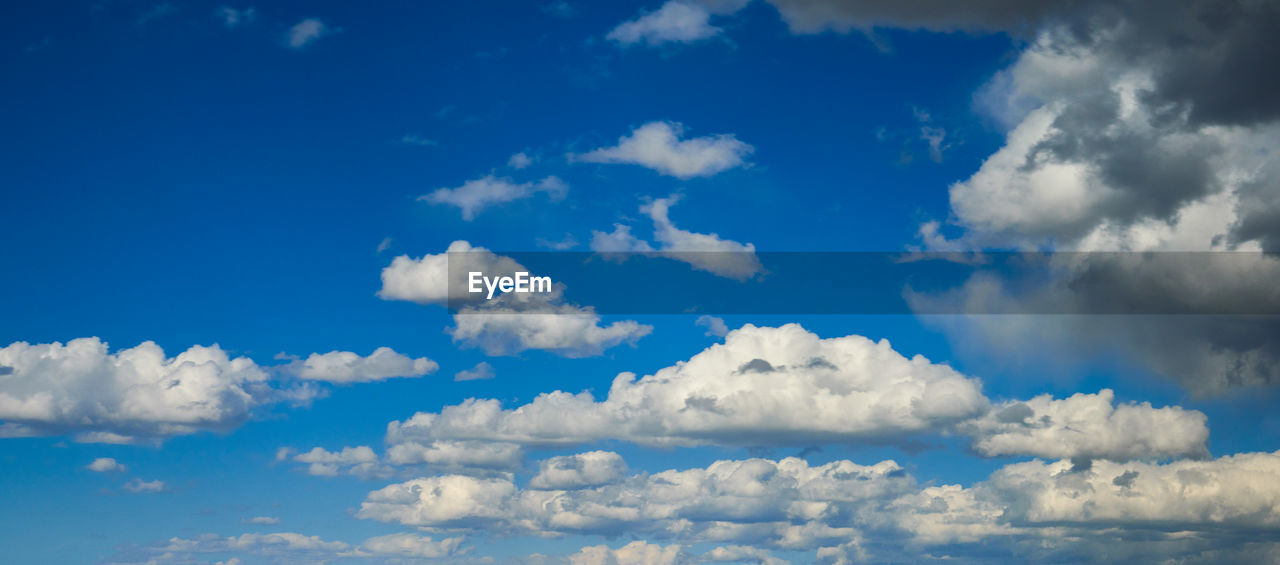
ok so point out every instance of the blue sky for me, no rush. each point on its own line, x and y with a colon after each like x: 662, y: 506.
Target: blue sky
x: 192, y: 174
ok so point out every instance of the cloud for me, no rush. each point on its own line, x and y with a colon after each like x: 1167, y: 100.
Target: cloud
x: 635, y: 553
x: 81, y: 388
x: 360, y: 461
x: 676, y: 21
x: 703, y: 251
x: 715, y: 326
x: 476, y: 195
x: 232, y: 17
x: 788, y: 387
x: 519, y: 161
x: 347, y: 367
x: 511, y: 324
x: 294, y: 547
x: 1088, y: 426
x: 139, y: 486
x: 817, y: 16
x: 416, y: 139
x: 262, y: 520
x: 565, y: 244
x: 482, y: 371
x: 105, y: 465
x: 384, y: 245
x: 581, y: 470
x: 657, y: 145
x: 308, y: 31
x: 839, y: 389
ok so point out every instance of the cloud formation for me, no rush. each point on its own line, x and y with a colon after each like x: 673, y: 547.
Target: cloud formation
x: 657, y: 145
x: 478, y: 194
x: 347, y: 367
x: 703, y: 251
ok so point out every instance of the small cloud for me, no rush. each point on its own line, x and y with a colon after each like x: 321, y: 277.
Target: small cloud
x: 482, y: 371
x: 261, y: 520
x: 563, y: 245
x: 657, y: 146
x: 478, y: 194
x: 157, y: 11
x: 232, y: 17
x: 415, y: 139
x: 519, y: 161
x: 715, y: 326
x: 307, y: 31
x: 139, y: 486
x: 284, y: 453
x: 677, y: 21
x: 385, y: 245
x: 106, y: 465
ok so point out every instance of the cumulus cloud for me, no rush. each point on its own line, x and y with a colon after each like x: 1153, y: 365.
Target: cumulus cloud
x: 512, y: 323
x: 703, y: 251
x: 105, y: 465
x: 482, y: 371
x: 308, y: 31
x: 788, y: 387
x: 1088, y: 426
x: 839, y: 389
x: 478, y: 194
x: 715, y: 326
x: 635, y: 553
x: 657, y: 145
x: 347, y: 367
x: 82, y: 388
x: 360, y: 460
x: 581, y: 470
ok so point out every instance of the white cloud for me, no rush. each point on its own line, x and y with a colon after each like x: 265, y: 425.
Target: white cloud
x: 81, y: 388
x: 593, y: 468
x: 715, y: 325
x: 478, y: 194
x: 307, y: 31
x: 232, y: 17
x: 512, y: 324
x: 1088, y: 426
x: 105, y: 464
x: 519, y: 161
x: 676, y: 21
x: 838, y: 389
x: 139, y: 486
x: 292, y: 547
x: 635, y: 553
x: 458, y: 456
x: 347, y: 367
x: 262, y: 520
x: 482, y: 371
x: 703, y: 251
x: 360, y: 461
x: 384, y: 245
x: 657, y: 145
x: 565, y: 244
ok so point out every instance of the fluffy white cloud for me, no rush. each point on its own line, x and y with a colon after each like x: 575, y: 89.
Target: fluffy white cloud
x: 82, y: 388
x: 139, y: 486
x: 1088, y: 426
x: 410, y: 546
x: 635, y: 553
x: 675, y: 21
x: 519, y: 161
x: 478, y: 194
x: 105, y: 465
x: 838, y: 389
x: 593, y: 468
x: 482, y: 371
x: 503, y: 326
x: 307, y: 31
x: 455, y: 455
x: 426, y: 280
x: 348, y: 367
x: 715, y: 325
x: 657, y: 145
x: 703, y: 251
x: 360, y: 460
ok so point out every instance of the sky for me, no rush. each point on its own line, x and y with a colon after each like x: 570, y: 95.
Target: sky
x: 229, y: 330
